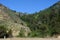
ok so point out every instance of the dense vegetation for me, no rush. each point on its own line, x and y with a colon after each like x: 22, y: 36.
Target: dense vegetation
x: 4, y: 33
x: 45, y: 23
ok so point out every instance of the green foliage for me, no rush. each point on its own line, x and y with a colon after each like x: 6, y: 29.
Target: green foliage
x: 44, y: 23
x: 10, y: 33
x: 21, y: 34
x: 3, y: 31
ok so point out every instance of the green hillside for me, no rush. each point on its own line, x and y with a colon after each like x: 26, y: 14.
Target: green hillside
x: 45, y: 23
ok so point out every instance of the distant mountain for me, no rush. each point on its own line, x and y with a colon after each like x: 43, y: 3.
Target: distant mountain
x: 45, y: 23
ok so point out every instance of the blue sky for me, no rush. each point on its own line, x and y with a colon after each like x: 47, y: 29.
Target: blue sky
x: 28, y: 6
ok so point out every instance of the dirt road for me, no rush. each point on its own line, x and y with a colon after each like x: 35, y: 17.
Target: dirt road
x: 31, y: 39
